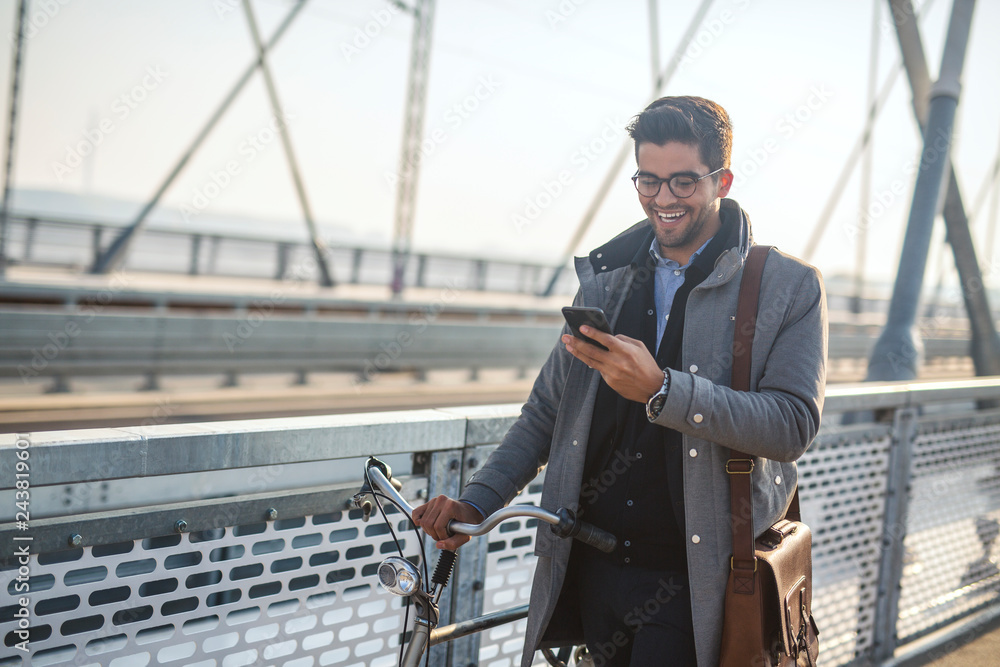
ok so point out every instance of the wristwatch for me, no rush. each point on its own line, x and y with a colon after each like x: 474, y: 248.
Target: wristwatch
x: 654, y: 406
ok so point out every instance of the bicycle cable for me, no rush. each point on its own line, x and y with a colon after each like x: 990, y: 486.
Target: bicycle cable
x: 420, y: 543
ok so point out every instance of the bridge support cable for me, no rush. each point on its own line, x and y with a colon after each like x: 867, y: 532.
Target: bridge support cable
x: 16, y: 69
x: 896, y: 353
x: 985, y: 342
x: 319, y: 247
x: 861, y: 238
x: 115, y: 255
x: 626, y: 148
x: 413, y: 135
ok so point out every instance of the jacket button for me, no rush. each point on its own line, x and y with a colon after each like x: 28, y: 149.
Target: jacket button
x: 694, y: 368
x: 608, y: 288
x: 698, y: 418
x: 693, y: 453
x: 576, y: 442
x: 695, y: 539
x: 777, y: 480
x: 599, y: 255
x: 649, y: 312
x: 604, y: 268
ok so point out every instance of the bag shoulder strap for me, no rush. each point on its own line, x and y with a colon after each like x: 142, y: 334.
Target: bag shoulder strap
x: 740, y: 465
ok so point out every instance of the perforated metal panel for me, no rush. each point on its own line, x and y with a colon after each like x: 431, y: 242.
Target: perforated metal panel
x: 293, y: 592
x: 953, y: 523
x: 303, y: 591
x: 510, y: 566
x: 841, y: 489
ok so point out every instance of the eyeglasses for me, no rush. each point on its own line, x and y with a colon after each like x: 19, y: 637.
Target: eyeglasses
x: 682, y: 185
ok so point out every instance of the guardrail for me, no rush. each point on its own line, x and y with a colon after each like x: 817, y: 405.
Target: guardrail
x: 48, y: 241
x: 233, y: 541
x: 84, y: 340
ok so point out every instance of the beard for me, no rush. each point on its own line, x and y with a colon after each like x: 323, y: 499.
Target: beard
x: 684, y: 236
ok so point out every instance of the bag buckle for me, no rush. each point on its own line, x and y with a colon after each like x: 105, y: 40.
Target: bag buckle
x: 732, y: 563
x: 749, y: 466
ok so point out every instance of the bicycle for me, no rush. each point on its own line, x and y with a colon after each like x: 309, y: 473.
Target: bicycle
x: 401, y: 577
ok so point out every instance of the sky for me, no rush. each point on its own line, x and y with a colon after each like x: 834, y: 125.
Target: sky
x: 526, y: 108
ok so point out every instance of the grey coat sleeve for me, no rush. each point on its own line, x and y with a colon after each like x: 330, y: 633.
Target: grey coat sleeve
x: 780, y: 419
x: 524, y: 450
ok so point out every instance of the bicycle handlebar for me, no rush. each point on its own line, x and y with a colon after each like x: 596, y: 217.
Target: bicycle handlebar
x: 563, y: 523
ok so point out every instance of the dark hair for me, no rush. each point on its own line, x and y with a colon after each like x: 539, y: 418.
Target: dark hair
x: 689, y: 120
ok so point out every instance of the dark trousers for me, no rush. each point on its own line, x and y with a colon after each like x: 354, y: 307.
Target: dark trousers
x: 634, y: 617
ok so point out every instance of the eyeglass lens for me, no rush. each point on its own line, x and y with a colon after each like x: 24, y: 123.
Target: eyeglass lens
x: 680, y: 186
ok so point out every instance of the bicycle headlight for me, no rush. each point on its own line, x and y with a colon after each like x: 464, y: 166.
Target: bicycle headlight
x: 399, y: 576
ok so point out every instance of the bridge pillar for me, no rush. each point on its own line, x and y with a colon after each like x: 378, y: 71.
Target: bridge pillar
x: 896, y: 354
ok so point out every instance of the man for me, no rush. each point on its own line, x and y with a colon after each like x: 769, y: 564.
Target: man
x: 636, y: 438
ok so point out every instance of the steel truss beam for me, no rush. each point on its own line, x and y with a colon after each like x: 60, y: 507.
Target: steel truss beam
x: 623, y: 152
x: 896, y: 354
x: 15, y: 97
x: 115, y: 255
x: 319, y: 246
x: 413, y: 135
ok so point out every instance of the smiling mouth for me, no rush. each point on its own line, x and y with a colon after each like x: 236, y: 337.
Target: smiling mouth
x: 669, y: 217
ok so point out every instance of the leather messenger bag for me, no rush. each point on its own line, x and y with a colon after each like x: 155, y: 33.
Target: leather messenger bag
x: 768, y: 614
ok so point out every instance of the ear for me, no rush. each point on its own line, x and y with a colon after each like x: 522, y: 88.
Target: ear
x: 725, y: 182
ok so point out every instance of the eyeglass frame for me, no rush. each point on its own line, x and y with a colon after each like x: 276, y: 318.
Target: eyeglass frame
x: 661, y: 181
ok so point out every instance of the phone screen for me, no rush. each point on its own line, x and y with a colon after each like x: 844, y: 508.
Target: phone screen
x: 577, y: 316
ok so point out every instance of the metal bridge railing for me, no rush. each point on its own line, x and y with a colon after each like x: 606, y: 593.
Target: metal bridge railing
x: 232, y: 543
x: 47, y: 241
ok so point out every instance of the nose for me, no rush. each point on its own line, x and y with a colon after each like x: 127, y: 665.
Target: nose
x: 664, y: 197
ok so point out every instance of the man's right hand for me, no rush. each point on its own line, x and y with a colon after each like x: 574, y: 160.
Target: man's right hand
x: 434, y: 516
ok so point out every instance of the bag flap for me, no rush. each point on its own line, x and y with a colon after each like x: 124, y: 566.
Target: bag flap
x: 788, y: 561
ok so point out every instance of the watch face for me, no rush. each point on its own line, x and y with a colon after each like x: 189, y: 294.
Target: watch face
x: 656, y: 406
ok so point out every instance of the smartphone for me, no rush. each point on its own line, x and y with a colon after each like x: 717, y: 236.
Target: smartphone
x: 576, y: 316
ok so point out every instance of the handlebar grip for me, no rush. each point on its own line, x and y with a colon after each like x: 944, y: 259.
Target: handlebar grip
x: 595, y: 537
x: 570, y: 526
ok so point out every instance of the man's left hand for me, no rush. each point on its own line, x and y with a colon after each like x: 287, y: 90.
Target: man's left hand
x: 627, y: 366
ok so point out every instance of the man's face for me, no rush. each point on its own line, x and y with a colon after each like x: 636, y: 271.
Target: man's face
x: 681, y: 225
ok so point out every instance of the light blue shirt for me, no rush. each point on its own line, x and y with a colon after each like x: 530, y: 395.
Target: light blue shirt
x: 669, y: 278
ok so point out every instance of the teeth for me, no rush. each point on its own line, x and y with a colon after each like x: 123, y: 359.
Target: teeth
x: 670, y: 216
